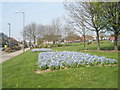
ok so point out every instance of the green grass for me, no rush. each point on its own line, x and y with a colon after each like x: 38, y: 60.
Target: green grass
x: 104, y: 45
x: 18, y: 72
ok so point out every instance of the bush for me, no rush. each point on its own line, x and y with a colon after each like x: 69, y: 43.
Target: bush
x: 73, y: 65
x: 52, y: 67
x: 8, y: 49
x: 16, y: 48
x: 44, y: 67
x: 57, y: 67
x: 43, y: 46
x: 12, y: 49
x: 61, y: 67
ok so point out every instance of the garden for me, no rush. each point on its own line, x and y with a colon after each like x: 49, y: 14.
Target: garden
x: 69, y: 68
x: 70, y: 59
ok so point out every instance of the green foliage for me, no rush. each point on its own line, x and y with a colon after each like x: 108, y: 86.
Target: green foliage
x: 66, y: 65
x: 44, y: 67
x: 61, y: 67
x: 52, y: 67
x: 57, y: 67
x: 73, y: 65
x: 42, y: 46
x: 16, y: 48
x: 12, y: 49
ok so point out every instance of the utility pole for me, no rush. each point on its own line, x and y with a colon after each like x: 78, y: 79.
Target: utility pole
x: 9, y: 26
x: 23, y: 28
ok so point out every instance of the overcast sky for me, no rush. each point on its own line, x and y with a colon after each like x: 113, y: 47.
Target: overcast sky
x: 38, y: 12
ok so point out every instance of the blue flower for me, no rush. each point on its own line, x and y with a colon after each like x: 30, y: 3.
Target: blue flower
x: 63, y: 58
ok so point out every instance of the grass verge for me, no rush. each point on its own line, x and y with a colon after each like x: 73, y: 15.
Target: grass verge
x: 18, y: 72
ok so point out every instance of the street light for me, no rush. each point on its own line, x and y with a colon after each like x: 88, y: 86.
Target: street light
x: 23, y: 26
x: 9, y: 26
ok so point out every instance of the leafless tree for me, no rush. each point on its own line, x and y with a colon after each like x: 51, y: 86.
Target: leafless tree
x: 52, y: 32
x: 71, y: 36
x: 87, y: 16
x: 76, y: 20
x: 31, y: 32
x: 56, y: 26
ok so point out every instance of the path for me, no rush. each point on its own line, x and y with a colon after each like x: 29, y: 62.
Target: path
x: 6, y: 56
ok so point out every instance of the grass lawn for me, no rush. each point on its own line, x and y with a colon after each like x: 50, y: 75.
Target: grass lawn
x: 18, y: 72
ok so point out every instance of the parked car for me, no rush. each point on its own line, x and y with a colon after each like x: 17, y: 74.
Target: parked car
x: 74, y: 41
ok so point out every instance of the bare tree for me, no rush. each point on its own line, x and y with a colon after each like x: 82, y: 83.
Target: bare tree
x: 51, y: 32
x: 56, y: 26
x: 71, y: 36
x: 31, y: 32
x: 76, y: 20
x: 86, y: 15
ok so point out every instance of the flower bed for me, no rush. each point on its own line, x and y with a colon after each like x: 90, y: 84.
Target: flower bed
x: 42, y: 49
x: 70, y: 59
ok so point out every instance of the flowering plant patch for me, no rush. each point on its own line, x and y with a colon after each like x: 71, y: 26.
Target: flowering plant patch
x: 70, y: 59
x: 42, y: 49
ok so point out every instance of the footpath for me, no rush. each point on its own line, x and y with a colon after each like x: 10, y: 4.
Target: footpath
x: 6, y: 56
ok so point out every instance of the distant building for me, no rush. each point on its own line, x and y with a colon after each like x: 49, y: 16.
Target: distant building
x: 3, y: 39
x: 88, y: 38
x: 112, y: 38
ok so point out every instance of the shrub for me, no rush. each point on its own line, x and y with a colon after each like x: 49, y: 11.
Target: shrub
x: 8, y: 49
x: 57, y: 67
x: 74, y: 65
x: 44, y: 67
x: 52, y: 67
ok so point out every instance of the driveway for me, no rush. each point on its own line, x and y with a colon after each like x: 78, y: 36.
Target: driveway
x: 6, y: 56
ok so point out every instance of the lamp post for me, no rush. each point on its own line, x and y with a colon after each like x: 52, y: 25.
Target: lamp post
x: 9, y: 26
x: 23, y: 27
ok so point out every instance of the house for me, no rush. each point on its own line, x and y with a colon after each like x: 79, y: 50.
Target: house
x: 113, y: 38
x: 3, y: 39
x: 88, y: 38
x: 71, y: 39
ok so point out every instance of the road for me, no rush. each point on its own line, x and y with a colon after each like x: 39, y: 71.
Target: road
x: 6, y: 56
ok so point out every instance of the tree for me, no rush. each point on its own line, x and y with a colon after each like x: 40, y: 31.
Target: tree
x: 52, y: 32
x: 51, y: 37
x: 76, y: 19
x: 111, y: 15
x: 56, y: 26
x: 72, y: 36
x: 31, y: 32
x: 39, y: 40
x: 87, y: 16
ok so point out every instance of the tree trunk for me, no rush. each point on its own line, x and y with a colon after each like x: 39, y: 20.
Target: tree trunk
x: 53, y: 42
x: 115, y: 42
x: 34, y: 40
x: 29, y: 42
x: 98, y: 41
x: 84, y: 43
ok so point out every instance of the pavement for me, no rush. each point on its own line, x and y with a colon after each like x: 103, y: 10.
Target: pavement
x: 6, y: 56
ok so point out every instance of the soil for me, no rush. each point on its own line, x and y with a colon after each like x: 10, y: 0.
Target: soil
x: 48, y: 70
x: 42, y: 71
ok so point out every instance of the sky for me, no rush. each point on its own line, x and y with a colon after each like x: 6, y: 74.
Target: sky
x: 38, y: 12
